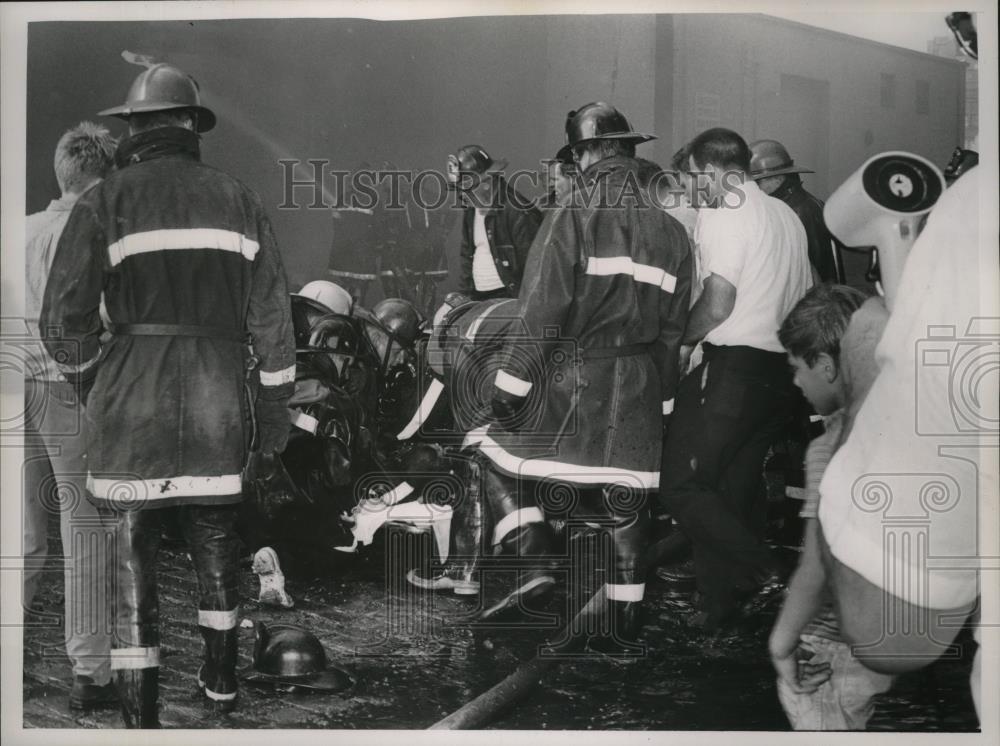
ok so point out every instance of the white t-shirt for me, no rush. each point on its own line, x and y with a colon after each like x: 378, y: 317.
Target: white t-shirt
x: 904, y: 496
x: 484, y: 272
x: 759, y: 247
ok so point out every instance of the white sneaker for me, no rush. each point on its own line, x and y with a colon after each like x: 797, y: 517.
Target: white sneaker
x: 272, y: 580
x: 443, y: 583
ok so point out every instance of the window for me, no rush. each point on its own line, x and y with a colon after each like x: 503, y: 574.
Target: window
x: 888, y: 91
x: 923, y: 97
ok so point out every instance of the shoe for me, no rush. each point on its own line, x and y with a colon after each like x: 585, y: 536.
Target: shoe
x: 212, y: 700
x: 527, y: 597
x: 86, y: 695
x: 683, y: 573
x: 272, y: 580
x: 443, y: 582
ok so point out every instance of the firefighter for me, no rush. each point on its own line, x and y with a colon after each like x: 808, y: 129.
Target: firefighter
x: 777, y: 175
x: 585, y: 385
x: 498, y: 225
x: 189, y: 269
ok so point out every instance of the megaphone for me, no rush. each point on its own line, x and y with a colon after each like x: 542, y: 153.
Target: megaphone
x: 881, y: 205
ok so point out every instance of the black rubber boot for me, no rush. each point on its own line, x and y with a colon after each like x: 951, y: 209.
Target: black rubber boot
x: 137, y: 539
x: 460, y: 573
x: 217, y: 675
x: 618, y: 638
x: 138, y: 691
x: 211, y: 534
x: 605, y: 627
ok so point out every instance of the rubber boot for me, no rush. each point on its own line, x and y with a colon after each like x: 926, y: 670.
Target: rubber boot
x: 138, y: 691
x: 137, y: 539
x: 459, y: 573
x: 217, y: 675
x: 211, y: 534
x: 619, y: 638
x: 603, y: 626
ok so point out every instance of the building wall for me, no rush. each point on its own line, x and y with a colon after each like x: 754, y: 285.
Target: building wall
x: 817, y: 91
x: 352, y: 92
x: 357, y: 92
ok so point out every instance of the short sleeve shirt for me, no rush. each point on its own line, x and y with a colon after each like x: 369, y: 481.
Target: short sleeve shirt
x: 758, y: 245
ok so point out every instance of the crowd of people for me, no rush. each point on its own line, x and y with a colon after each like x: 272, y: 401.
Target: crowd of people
x: 671, y: 344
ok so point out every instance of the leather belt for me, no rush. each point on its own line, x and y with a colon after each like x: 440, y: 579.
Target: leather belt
x: 178, y: 330
x: 600, y: 353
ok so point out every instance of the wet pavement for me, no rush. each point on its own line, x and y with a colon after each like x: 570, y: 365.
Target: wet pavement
x: 413, y: 665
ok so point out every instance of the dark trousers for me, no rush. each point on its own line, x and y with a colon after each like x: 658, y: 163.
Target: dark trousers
x: 728, y: 412
x: 210, y: 534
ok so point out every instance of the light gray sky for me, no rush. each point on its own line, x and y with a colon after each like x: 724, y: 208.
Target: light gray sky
x: 903, y: 29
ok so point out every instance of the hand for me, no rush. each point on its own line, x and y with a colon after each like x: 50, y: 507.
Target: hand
x: 684, y: 359
x: 262, y: 467
x: 794, y: 668
x: 270, y: 486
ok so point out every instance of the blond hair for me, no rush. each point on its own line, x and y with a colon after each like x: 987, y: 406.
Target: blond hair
x: 84, y: 153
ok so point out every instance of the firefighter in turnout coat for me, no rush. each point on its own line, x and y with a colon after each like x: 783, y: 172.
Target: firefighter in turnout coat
x: 588, y: 378
x: 186, y: 262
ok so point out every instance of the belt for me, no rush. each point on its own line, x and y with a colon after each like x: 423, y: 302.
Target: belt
x: 178, y: 330
x: 599, y: 353
x: 747, y: 358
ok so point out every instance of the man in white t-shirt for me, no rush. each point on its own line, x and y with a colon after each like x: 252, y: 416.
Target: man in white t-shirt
x: 754, y: 267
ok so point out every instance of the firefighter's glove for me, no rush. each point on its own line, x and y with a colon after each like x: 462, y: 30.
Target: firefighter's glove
x: 274, y: 424
x: 272, y: 487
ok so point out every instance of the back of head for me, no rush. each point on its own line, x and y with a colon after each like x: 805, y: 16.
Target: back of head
x: 155, y: 119
x: 679, y: 161
x: 602, y: 130
x: 818, y: 321
x: 610, y: 148
x: 84, y: 154
x: 163, y: 96
x: 721, y: 148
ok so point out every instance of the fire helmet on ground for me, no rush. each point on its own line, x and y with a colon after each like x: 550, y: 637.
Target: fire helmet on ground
x: 400, y: 317
x: 330, y: 294
x: 160, y: 88
x: 286, y: 654
x: 771, y: 158
x: 600, y: 121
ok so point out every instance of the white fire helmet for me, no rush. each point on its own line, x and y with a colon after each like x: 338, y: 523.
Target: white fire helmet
x: 330, y: 294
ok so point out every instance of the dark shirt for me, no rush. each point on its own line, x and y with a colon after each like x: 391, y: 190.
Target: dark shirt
x: 824, y: 249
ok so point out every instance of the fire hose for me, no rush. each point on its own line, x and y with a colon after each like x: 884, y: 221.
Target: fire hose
x: 484, y: 708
